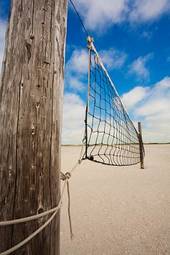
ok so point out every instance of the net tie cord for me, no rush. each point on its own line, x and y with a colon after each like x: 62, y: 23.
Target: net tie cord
x: 65, y: 177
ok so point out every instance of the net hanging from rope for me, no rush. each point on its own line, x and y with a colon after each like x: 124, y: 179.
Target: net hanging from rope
x: 110, y: 136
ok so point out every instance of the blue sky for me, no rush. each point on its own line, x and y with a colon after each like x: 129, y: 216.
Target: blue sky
x: 133, y: 39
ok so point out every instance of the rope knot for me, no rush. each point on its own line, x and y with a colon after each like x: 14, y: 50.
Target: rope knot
x: 65, y: 176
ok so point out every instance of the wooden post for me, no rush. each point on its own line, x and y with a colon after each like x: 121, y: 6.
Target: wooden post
x: 89, y: 46
x: 141, y: 146
x: 89, y: 40
x: 31, y: 91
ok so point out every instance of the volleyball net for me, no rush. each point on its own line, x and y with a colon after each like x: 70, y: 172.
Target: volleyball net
x: 110, y: 136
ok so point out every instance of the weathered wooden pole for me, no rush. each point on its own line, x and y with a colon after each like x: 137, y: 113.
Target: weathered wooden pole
x: 141, y: 146
x: 31, y: 91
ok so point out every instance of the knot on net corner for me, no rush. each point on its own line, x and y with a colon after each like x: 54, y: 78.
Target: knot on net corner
x: 65, y: 176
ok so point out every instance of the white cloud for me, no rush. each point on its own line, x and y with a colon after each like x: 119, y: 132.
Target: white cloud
x: 163, y: 84
x: 78, y: 62
x: 98, y: 13
x: 147, y: 10
x: 134, y: 96
x: 139, y: 67
x: 158, y: 100
x: 73, y: 119
x: 113, y: 58
x: 3, y: 26
x: 76, y: 70
x: 152, y: 106
x: 75, y: 83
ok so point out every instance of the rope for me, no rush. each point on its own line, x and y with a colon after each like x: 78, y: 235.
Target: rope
x: 26, y: 240
x: 80, y: 19
x: 64, y: 177
x: 27, y: 219
x: 69, y: 211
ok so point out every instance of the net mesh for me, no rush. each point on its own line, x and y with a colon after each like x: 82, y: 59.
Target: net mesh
x: 110, y: 135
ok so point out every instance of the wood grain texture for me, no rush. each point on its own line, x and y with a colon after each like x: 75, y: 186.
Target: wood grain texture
x: 31, y: 92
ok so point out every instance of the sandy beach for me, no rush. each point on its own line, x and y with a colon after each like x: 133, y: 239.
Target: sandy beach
x: 118, y: 210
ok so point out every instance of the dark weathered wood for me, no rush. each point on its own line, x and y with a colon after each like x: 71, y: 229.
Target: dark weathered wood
x: 31, y: 91
x: 141, y: 146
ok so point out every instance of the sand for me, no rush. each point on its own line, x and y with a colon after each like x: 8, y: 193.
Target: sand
x: 118, y: 210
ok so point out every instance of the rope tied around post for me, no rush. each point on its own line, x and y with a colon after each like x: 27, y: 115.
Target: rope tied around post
x: 65, y: 177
